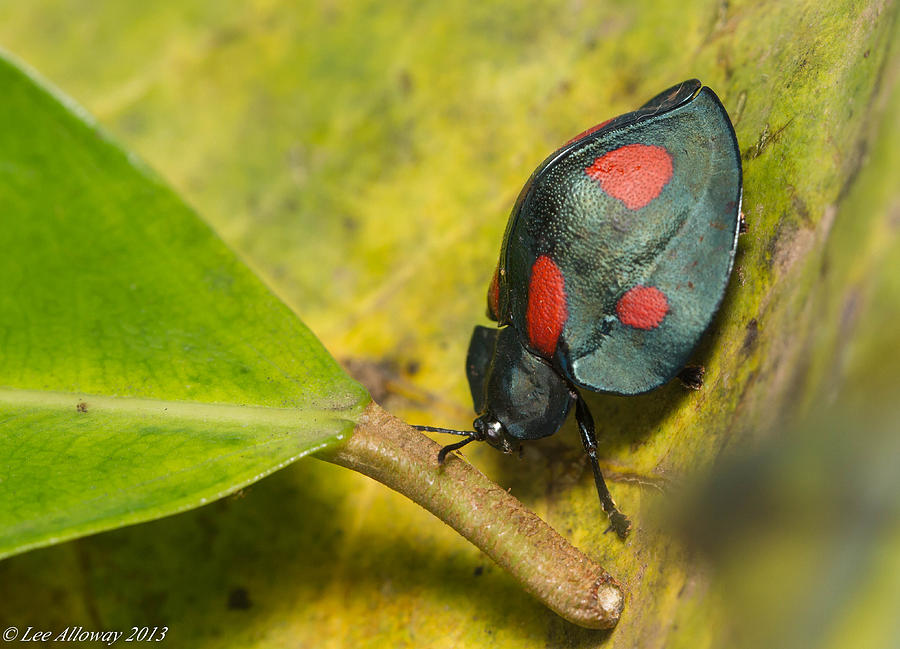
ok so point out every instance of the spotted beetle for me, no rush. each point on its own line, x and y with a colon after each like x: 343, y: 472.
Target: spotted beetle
x: 614, y: 262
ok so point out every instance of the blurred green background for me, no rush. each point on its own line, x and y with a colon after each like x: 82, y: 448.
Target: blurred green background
x: 362, y: 158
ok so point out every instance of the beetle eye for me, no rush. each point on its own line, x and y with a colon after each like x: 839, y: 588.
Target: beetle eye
x: 494, y: 433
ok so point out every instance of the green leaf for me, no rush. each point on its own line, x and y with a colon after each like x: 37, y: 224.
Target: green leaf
x: 144, y: 369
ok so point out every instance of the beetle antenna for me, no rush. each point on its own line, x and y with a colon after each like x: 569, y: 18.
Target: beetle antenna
x: 470, y: 436
x: 449, y: 431
x: 442, y: 455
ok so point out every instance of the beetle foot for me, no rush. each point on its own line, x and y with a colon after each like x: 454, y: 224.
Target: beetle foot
x: 691, y: 376
x: 619, y: 523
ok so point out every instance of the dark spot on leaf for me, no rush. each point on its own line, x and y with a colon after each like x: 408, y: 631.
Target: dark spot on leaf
x: 893, y: 219
x: 631, y: 83
x: 825, y: 267
x: 226, y: 35
x: 375, y: 375
x: 850, y: 313
x: 851, y: 167
x: 765, y: 139
x: 724, y: 61
x: 81, y: 407
x: 750, y: 336
x: 219, y: 281
x: 405, y: 82
x: 479, y: 570
x: 152, y: 603
x: 239, y: 600
x: 133, y: 123
x: 798, y: 204
x: 782, y: 237
x: 738, y: 111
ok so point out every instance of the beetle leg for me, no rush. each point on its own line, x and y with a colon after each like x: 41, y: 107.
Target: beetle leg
x: 618, y: 522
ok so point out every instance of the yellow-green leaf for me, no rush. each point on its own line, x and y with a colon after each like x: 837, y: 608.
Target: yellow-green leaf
x: 144, y: 370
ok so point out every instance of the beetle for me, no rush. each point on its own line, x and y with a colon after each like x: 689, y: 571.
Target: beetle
x: 615, y: 259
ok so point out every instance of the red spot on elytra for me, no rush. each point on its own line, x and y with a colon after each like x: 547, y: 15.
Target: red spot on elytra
x: 634, y: 173
x: 592, y: 129
x: 642, y: 307
x: 547, y: 310
x: 494, y: 295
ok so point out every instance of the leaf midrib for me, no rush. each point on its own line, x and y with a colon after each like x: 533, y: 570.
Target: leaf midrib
x: 180, y: 410
x: 283, y: 421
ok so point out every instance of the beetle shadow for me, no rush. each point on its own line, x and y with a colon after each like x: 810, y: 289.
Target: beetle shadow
x: 624, y: 424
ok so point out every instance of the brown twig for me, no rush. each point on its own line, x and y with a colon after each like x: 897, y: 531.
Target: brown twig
x: 549, y: 567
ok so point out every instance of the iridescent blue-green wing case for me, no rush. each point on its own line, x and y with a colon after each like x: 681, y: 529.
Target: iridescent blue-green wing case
x: 620, y: 246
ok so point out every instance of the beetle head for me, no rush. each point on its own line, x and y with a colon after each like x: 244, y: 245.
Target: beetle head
x: 517, y: 395
x: 489, y: 429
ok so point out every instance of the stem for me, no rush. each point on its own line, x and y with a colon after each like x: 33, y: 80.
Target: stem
x: 547, y: 565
